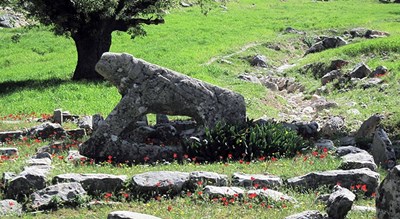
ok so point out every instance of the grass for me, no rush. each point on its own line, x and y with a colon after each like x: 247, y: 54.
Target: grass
x: 35, y: 71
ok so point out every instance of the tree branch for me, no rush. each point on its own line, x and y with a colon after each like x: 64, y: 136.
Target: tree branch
x: 125, y: 25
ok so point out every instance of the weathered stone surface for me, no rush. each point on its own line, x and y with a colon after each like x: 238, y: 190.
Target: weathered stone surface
x: 39, y: 162
x: 307, y: 215
x: 223, y: 191
x: 388, y: 196
x: 321, y: 144
x: 346, y: 178
x: 64, y: 193
x: 207, y: 178
x: 256, y: 180
x: 333, y: 126
x: 360, y: 71
x: 259, y: 61
x: 8, y: 151
x: 330, y: 76
x: 339, y: 203
x: 382, y: 149
x: 25, y: 183
x: 363, y: 208
x: 171, y: 182
x: 47, y: 130
x: 357, y: 161
x: 326, y: 43
x: 10, y: 207
x: 368, y: 127
x: 129, y: 215
x: 10, y: 135
x: 273, y: 195
x: 345, y: 150
x: 57, y: 116
x: 94, y: 184
x: 148, y: 88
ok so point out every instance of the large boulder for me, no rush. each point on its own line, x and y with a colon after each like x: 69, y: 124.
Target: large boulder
x: 160, y: 182
x: 388, y: 195
x: 59, y: 194
x: 382, y: 149
x: 94, y: 184
x: 345, y: 178
x: 28, y: 181
x: 339, y: 203
x: 47, y: 130
x: 357, y: 161
x: 148, y: 88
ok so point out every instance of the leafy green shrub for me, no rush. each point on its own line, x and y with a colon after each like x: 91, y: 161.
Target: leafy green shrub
x: 247, y: 141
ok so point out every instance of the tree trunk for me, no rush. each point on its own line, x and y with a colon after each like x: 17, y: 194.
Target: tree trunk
x: 90, y: 44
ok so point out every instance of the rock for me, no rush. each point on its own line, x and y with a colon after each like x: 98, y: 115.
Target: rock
x: 272, y: 195
x: 129, y: 215
x: 338, y: 64
x: 256, y: 180
x: 41, y: 155
x: 270, y: 85
x: 259, y: 61
x: 326, y: 43
x: 76, y: 133
x: 207, y: 178
x: 388, y: 195
x: 375, y: 34
x: 148, y: 88
x: 321, y: 144
x: 321, y: 104
x: 39, y: 162
x: 86, y: 123
x: 347, y: 140
x: 368, y: 127
x: 330, y: 76
x: 28, y: 181
x: 382, y: 150
x: 161, y: 182
x: 363, y: 208
x: 357, y: 161
x: 47, y: 130
x: 344, y: 150
x: 346, y: 178
x: 185, y: 4
x: 379, y: 71
x: 94, y: 184
x: 306, y: 130
x: 10, y: 135
x: 53, y: 148
x: 74, y: 157
x: 223, y: 191
x: 59, y: 194
x: 8, y: 151
x: 333, y: 127
x: 360, y: 71
x: 10, y: 207
x: 58, y: 117
x: 97, y: 119
x: 7, y: 176
x: 339, y: 203
x: 307, y: 215
x: 292, y: 30
x: 250, y: 78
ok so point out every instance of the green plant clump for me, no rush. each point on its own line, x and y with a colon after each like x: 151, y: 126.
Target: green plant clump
x: 247, y: 141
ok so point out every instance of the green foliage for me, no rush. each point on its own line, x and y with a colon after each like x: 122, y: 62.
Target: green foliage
x: 247, y: 141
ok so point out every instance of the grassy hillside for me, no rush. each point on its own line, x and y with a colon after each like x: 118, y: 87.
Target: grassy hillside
x: 35, y: 71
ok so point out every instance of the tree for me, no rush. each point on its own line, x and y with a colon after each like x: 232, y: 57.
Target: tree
x: 90, y: 23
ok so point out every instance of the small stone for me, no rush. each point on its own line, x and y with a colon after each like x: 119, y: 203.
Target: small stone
x: 59, y: 194
x: 325, y: 143
x: 10, y: 207
x: 339, y: 203
x: 223, y: 191
x: 307, y: 215
x: 129, y: 215
x: 360, y: 71
x: 8, y: 151
x: 256, y: 180
x: 10, y: 135
x: 334, y: 126
x: 259, y: 61
x: 207, y: 178
x: 273, y: 195
x: 379, y: 71
x: 330, y: 76
x: 58, y: 117
x: 76, y: 133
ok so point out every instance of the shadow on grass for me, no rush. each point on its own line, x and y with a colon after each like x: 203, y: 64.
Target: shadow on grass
x: 8, y: 87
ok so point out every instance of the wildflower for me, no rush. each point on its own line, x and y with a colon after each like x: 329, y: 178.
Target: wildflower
x: 265, y: 188
x: 200, y: 193
x: 11, y: 203
x: 146, y: 158
x: 269, y: 206
x: 37, y: 140
x: 107, y: 195
x: 252, y: 178
x: 325, y: 150
x: 358, y: 186
x: 262, y: 204
x: 250, y: 206
x: 322, y: 156
x: 232, y: 200
x: 189, y: 194
x: 199, y: 183
x: 315, y: 153
x: 256, y: 185
x: 352, y: 187
x: 186, y: 156
x: 338, y: 183
x: 261, y: 158
x: 109, y: 157
x: 235, y: 195
x: 226, y: 203
x: 284, y: 206
x: 223, y: 199
x: 126, y: 195
x: 61, y: 157
x: 305, y: 158
x: 230, y: 156
x: 364, y: 188
x: 158, y: 184
x: 373, y: 194
x: 241, y: 161
x: 252, y: 195
x: 248, y: 162
x: 175, y: 155
x: 274, y: 159
x: 169, y: 208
